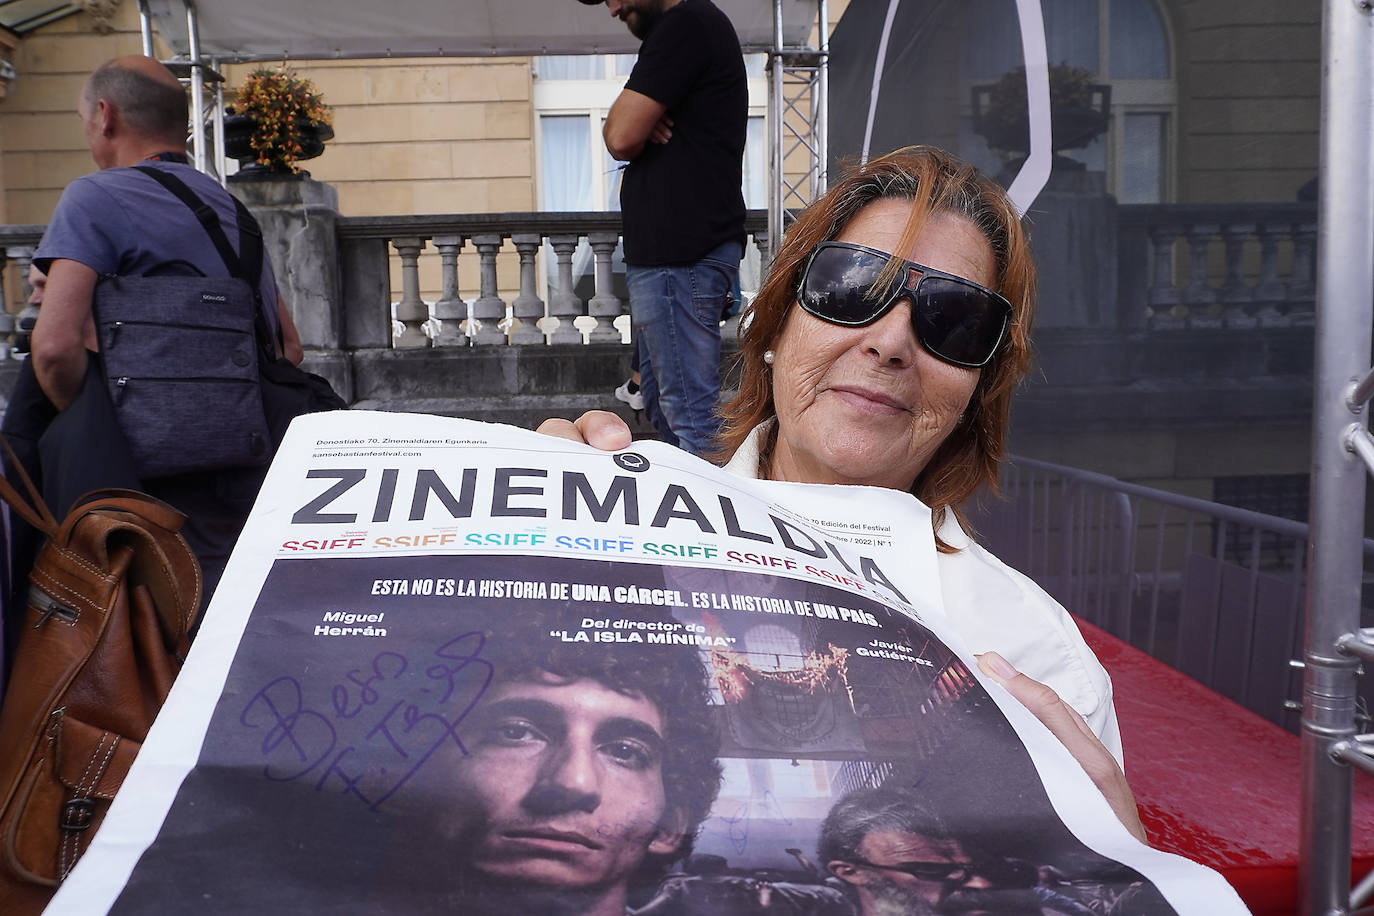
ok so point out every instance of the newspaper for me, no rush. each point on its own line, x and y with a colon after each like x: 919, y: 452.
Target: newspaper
x: 457, y: 667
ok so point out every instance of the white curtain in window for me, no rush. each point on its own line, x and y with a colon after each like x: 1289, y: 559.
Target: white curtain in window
x: 993, y: 43
x: 755, y: 198
x: 1142, y: 163
x: 1071, y: 32
x: 755, y: 165
x: 613, y: 170
x: 565, y: 169
x: 569, y: 67
x: 566, y: 180
x: 992, y: 39
x: 1140, y: 50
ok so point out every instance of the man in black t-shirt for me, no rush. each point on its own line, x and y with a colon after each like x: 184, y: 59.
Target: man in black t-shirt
x: 680, y: 125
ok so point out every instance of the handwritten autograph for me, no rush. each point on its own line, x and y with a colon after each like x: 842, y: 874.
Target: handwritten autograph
x: 402, y: 725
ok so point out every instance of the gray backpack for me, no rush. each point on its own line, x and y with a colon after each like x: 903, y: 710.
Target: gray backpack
x: 189, y: 361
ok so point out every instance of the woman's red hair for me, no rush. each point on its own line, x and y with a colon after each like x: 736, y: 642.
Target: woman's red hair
x: 934, y: 182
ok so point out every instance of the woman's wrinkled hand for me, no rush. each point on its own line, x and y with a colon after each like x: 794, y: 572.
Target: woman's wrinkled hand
x: 1068, y: 726
x: 597, y: 428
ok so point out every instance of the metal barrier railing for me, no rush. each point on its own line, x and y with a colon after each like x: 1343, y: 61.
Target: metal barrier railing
x: 1212, y: 590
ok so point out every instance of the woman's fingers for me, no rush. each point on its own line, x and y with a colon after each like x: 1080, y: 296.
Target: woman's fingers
x: 597, y: 428
x: 1068, y: 726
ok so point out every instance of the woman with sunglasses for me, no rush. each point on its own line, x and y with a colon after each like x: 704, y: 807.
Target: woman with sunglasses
x: 883, y: 350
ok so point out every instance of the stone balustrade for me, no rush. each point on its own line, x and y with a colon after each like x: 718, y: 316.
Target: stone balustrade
x: 1178, y: 266
x: 366, y: 245
x: 1212, y: 300
x: 17, y: 244
x: 1234, y: 266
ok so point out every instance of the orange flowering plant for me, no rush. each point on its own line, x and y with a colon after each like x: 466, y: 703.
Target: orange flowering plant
x: 284, y: 107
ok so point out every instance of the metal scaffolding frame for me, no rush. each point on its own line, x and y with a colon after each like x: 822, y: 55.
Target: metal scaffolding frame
x: 797, y: 111
x: 1341, y: 450
x: 798, y: 83
x: 206, y: 89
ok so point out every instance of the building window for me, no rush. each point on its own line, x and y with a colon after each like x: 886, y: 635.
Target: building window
x: 1124, y: 43
x: 572, y: 96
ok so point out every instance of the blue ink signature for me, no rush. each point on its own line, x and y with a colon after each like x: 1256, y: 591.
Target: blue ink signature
x: 398, y: 736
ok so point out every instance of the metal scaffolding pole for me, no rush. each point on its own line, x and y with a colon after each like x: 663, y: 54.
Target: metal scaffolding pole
x: 145, y: 20
x: 775, y: 113
x: 197, y: 88
x: 798, y: 80
x: 196, y: 74
x: 822, y: 125
x: 1345, y: 291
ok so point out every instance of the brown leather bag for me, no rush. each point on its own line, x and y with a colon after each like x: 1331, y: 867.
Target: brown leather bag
x: 113, y: 596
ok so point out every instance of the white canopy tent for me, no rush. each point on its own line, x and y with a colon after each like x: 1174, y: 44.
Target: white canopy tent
x: 251, y: 30
x: 265, y: 30
x: 208, y: 34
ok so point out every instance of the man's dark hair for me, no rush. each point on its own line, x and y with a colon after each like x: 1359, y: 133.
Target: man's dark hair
x: 672, y: 677
x: 150, y: 108
x: 894, y: 809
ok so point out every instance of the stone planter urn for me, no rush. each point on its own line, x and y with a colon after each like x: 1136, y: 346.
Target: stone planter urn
x: 1077, y: 118
x: 238, y: 133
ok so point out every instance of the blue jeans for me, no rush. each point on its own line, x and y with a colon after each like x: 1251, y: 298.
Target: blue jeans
x: 675, y: 314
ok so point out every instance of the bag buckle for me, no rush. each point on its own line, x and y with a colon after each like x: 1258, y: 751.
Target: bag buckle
x: 77, y: 814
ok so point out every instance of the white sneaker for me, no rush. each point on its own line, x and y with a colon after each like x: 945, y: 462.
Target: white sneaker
x: 634, y: 398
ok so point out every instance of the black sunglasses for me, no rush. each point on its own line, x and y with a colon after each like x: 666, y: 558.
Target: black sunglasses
x: 951, y: 872
x: 955, y: 319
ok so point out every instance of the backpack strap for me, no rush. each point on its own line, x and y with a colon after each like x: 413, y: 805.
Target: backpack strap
x: 246, y: 263
x: 33, y: 510
x: 206, y: 215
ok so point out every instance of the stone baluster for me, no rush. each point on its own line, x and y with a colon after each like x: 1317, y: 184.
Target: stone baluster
x: 563, y: 302
x: 450, y: 310
x: 1235, y: 294
x: 1270, y: 291
x: 411, y: 311
x: 604, y: 306
x: 761, y: 243
x: 487, y: 308
x: 1301, y: 288
x: 1198, y: 295
x: 528, y: 308
x: 1164, y: 295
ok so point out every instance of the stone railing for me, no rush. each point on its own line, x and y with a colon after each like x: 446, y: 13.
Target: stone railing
x: 16, y: 252
x: 1216, y: 265
x: 1235, y: 281
x: 367, y: 244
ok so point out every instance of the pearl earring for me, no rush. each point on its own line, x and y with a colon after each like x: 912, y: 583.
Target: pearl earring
x: 768, y: 357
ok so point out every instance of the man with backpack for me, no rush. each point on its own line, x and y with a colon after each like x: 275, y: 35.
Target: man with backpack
x: 122, y: 222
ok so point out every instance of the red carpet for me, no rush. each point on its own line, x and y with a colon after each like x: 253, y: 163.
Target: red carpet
x: 1214, y: 781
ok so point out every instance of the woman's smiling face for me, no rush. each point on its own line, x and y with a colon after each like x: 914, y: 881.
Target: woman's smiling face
x: 869, y: 405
